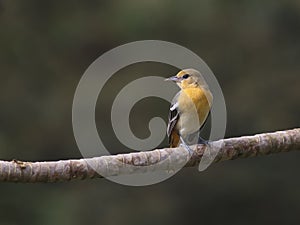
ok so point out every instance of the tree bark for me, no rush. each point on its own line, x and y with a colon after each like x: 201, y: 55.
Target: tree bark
x: 143, y: 162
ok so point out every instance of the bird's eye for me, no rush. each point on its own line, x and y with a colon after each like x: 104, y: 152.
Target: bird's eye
x: 185, y: 76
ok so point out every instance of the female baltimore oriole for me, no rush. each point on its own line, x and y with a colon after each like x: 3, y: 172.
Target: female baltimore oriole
x: 189, y: 108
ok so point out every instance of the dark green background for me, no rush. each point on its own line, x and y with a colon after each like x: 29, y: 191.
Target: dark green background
x: 253, y: 47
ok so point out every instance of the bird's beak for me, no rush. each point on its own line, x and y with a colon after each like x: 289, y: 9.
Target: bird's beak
x: 174, y: 78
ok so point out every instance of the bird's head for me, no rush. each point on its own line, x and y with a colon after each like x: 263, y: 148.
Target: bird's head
x: 189, y: 78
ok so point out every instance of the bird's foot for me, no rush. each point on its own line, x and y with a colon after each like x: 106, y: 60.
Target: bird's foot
x: 191, y: 152
x: 202, y: 141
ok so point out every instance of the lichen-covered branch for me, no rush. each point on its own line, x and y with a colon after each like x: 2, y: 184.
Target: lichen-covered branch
x: 143, y: 162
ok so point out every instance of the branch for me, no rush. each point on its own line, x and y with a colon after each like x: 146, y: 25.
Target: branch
x: 166, y: 159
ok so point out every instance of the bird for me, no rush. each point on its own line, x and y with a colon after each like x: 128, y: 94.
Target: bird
x: 189, y: 108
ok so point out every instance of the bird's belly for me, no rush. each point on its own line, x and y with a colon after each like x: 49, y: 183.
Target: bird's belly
x: 193, y: 106
x: 188, y: 124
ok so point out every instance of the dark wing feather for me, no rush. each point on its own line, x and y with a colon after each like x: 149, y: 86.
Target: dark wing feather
x: 173, y: 117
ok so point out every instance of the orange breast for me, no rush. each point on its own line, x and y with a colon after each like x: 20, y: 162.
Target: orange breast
x: 195, y: 98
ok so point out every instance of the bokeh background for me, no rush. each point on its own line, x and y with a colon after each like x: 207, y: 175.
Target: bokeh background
x: 253, y: 48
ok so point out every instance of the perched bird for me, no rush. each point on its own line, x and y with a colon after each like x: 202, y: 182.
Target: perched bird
x: 189, y: 108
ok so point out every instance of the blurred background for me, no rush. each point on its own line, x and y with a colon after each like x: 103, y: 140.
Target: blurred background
x: 253, y: 48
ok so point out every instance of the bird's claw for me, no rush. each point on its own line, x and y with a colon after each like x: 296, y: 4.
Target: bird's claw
x: 191, y: 152
x: 202, y: 141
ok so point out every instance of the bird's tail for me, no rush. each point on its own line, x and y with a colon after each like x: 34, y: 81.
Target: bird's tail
x: 174, y: 140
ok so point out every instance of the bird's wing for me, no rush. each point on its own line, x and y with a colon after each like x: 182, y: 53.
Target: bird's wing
x: 173, y: 116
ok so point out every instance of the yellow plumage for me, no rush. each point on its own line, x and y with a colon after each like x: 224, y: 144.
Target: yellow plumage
x: 199, y: 98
